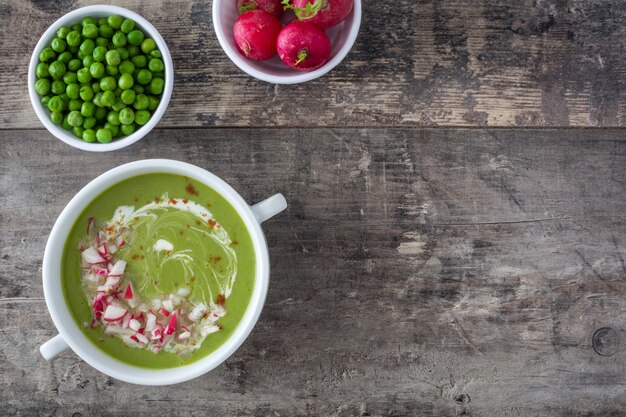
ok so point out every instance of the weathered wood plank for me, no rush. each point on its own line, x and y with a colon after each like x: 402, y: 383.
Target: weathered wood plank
x: 439, y: 63
x: 415, y: 272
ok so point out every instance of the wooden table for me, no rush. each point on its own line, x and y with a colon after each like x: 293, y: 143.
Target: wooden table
x: 455, y: 237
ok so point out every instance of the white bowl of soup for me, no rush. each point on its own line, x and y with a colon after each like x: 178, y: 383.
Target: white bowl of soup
x: 156, y: 272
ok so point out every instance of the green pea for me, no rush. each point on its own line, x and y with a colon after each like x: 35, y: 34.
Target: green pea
x: 119, y: 39
x: 73, y: 38
x: 135, y: 37
x: 65, y: 124
x: 125, y: 81
x: 74, y: 118
x: 108, y: 98
x: 106, y: 31
x: 123, y: 53
x: 108, y: 84
x: 88, y: 109
x: 58, y: 45
x: 74, y: 105
x: 96, y: 69
x: 56, y: 104
x: 126, y: 67
x: 148, y: 45
x: 83, y: 75
x: 97, y: 100
x: 128, y: 97
x: 103, y: 21
x: 156, y: 86
x: 119, y: 105
x: 88, y: 20
x: 74, y: 65
x: 104, y: 135
x: 114, y: 129
x: 141, y: 102
x: 90, y: 31
x: 99, y: 53
x: 139, y: 89
x: 65, y: 57
x: 127, y: 129
x: 42, y: 70
x: 144, y: 76
x: 78, y: 131
x: 87, y: 61
x: 42, y: 86
x: 133, y: 51
x: 45, y: 100
x: 89, y: 122
x: 73, y: 91
x: 154, y: 103
x: 76, y: 26
x: 73, y: 49
x: 142, y: 117
x: 58, y: 87
x: 156, y: 65
x: 156, y: 54
x: 102, y: 42
x: 126, y: 116
x: 112, y: 70
x: 89, y: 135
x: 87, y: 47
x: 115, y: 21
x: 86, y: 93
x: 47, y: 54
x: 62, y: 32
x: 96, y: 87
x: 113, y: 57
x: 57, y: 70
x: 127, y: 26
x: 70, y: 77
x: 160, y: 74
x: 140, y: 61
x: 113, y: 118
x: 56, y: 118
x: 101, y: 113
x: 65, y: 98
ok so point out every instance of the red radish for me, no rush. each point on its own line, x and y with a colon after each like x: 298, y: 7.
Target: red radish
x: 165, y: 312
x: 184, y: 335
x: 128, y: 294
x: 273, y: 7
x: 157, y: 334
x: 322, y: 13
x: 99, y: 303
x: 255, y: 34
x: 134, y: 324
x: 117, y: 269
x: 150, y: 322
x: 171, y: 325
x: 114, y: 313
x: 120, y: 241
x: 141, y: 338
x: 126, y: 320
x: 303, y: 46
x: 92, y: 257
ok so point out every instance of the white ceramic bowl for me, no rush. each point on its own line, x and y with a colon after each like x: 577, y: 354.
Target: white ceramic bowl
x: 70, y: 334
x: 341, y: 37
x: 76, y: 16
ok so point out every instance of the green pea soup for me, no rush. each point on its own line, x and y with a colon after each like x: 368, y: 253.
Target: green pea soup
x: 141, y: 261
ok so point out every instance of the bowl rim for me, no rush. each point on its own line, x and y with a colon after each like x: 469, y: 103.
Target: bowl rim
x: 70, y: 330
x: 296, y: 77
x: 69, y: 137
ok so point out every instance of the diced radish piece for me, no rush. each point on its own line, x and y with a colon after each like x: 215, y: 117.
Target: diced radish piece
x: 126, y: 320
x: 168, y: 305
x: 157, y: 333
x: 197, y: 312
x: 141, y: 330
x: 100, y: 271
x: 117, y: 269
x: 92, y: 277
x: 183, y: 292
x: 171, y: 325
x: 92, y: 257
x: 134, y: 324
x: 164, y: 312
x: 141, y: 338
x: 139, y: 316
x: 175, y: 300
x: 113, y: 313
x: 112, y: 247
x: 94, y: 323
x: 99, y: 303
x: 184, y: 335
x: 116, y: 330
x: 209, y: 329
x: 150, y: 322
x: 120, y: 242
x: 128, y: 294
x: 156, y: 303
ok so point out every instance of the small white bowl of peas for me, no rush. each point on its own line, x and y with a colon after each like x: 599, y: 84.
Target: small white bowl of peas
x: 100, y: 78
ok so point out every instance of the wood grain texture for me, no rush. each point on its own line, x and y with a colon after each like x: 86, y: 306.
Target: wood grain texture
x: 415, y: 273
x: 426, y: 62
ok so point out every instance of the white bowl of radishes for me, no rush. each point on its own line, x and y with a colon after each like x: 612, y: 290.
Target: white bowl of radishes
x: 286, y: 41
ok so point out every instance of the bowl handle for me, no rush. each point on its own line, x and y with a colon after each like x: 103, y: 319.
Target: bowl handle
x: 269, y: 207
x: 53, y: 347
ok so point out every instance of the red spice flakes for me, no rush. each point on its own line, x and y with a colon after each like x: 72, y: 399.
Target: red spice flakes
x: 134, y: 256
x: 172, y: 201
x: 198, y: 222
x: 141, y: 247
x: 135, y: 199
x: 218, y: 258
x: 212, y: 223
x: 191, y: 190
x: 220, y: 299
x: 181, y: 232
x: 185, y: 201
x: 234, y: 243
x: 157, y: 200
x: 203, y: 214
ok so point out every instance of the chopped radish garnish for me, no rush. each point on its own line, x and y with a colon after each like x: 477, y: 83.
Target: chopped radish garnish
x: 117, y: 269
x: 164, y: 312
x: 157, y: 333
x: 150, y: 322
x: 183, y: 292
x: 103, y: 249
x: 209, y: 329
x: 126, y: 320
x: 128, y: 294
x: 100, y: 271
x: 163, y: 245
x: 184, y: 335
x: 156, y: 303
x: 116, y: 330
x: 171, y: 325
x: 92, y: 257
x: 114, y: 313
x: 168, y: 305
x: 120, y: 242
x: 141, y: 338
x: 197, y: 312
x: 134, y: 324
x: 112, y: 247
